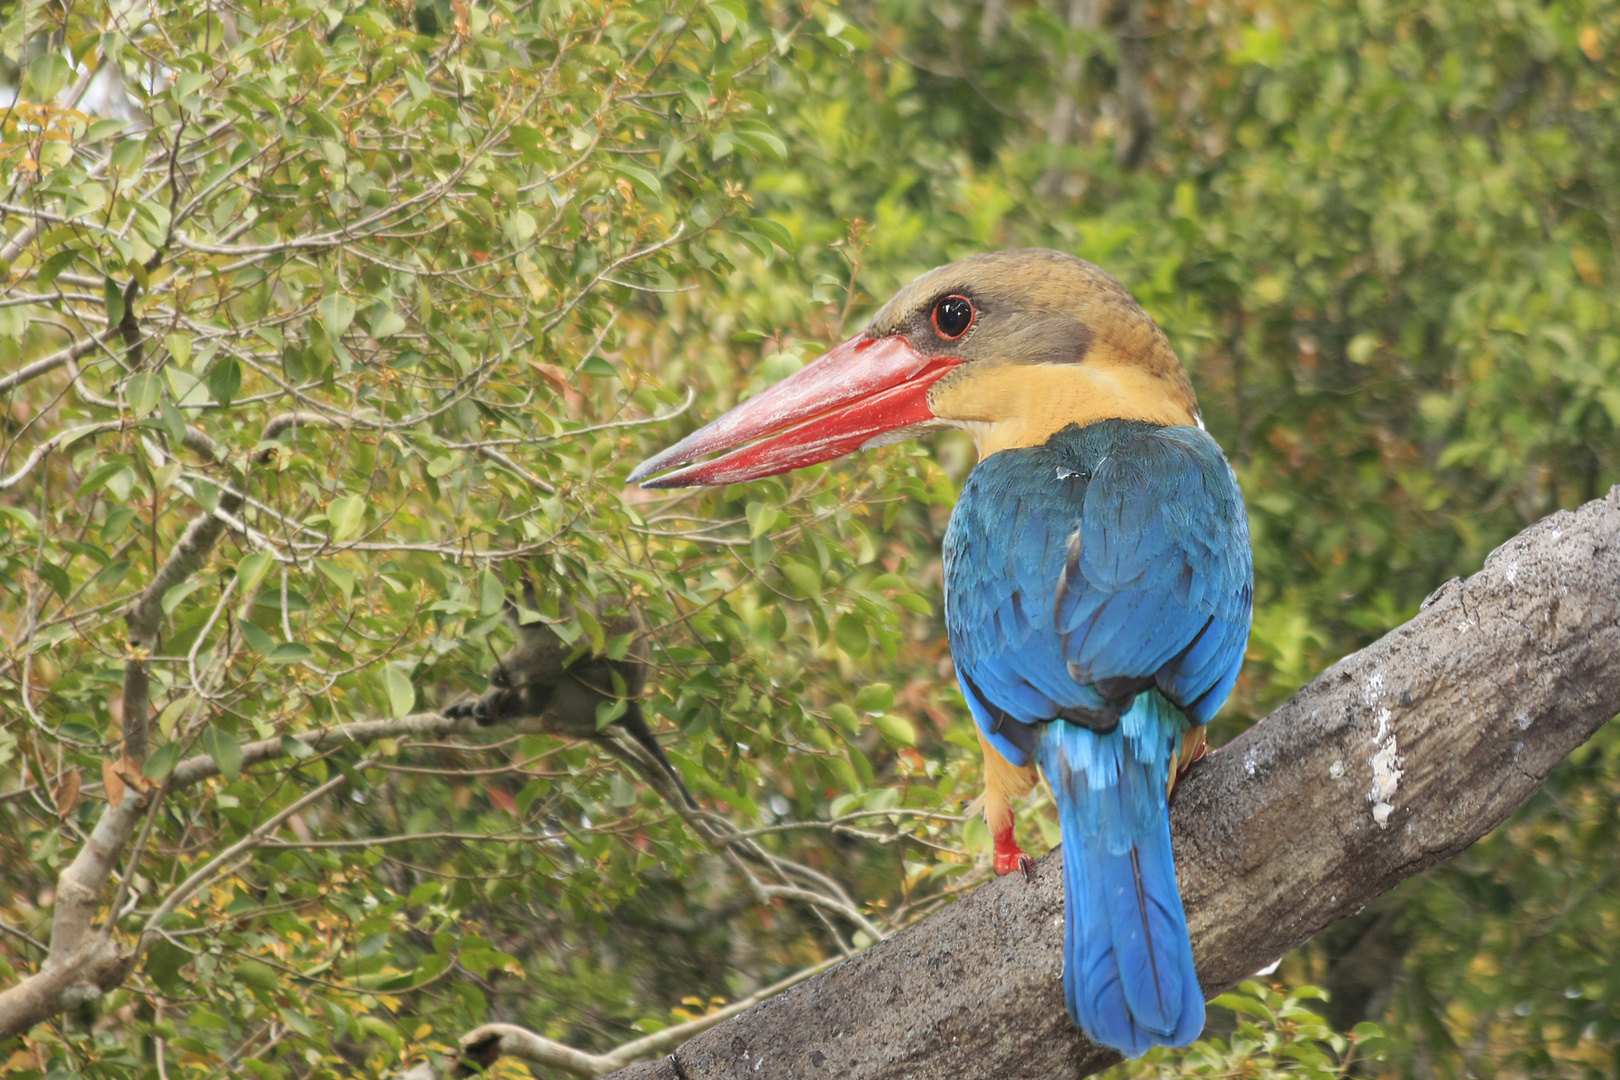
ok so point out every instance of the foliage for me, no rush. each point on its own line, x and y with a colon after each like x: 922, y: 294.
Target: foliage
x: 1273, y: 1034
x: 422, y: 284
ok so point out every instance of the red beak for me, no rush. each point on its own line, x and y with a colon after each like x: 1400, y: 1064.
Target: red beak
x: 848, y: 398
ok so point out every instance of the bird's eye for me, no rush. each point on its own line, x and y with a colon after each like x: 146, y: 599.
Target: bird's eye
x: 952, y: 317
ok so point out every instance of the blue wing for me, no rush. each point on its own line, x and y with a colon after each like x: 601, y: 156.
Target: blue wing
x: 1113, y: 558
x: 1158, y: 583
x: 1097, y: 595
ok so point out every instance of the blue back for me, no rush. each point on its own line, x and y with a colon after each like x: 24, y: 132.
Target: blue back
x: 1098, y: 591
x: 1115, y: 555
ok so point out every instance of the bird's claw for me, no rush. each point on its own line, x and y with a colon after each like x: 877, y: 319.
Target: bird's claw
x: 1010, y: 857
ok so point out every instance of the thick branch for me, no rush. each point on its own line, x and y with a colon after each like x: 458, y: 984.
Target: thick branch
x: 79, y: 963
x: 1397, y: 757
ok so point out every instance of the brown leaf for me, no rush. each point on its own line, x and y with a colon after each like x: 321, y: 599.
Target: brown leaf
x: 66, y: 792
x: 113, y: 782
x: 558, y: 380
x: 556, y: 376
x: 501, y: 799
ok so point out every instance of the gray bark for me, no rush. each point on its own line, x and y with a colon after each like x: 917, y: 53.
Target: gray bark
x: 1393, y: 759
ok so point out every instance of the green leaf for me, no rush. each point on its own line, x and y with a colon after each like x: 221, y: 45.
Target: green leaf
x: 520, y: 226
x: 491, y: 593
x: 290, y: 652
x: 113, y: 574
x: 775, y: 145
x: 896, y: 730
x: 391, y: 323
x: 1242, y: 1003
x: 172, y: 712
x: 761, y: 519
x: 251, y: 570
x: 163, y: 963
x: 845, y: 718
x: 174, y: 421
x: 440, y: 467
x: 30, y: 523
x: 56, y: 577
x: 257, y: 975
x: 805, y: 579
x: 401, y: 694
x: 224, y: 380
x: 47, y: 75
x: 161, y: 762
x: 593, y: 629
x: 339, y: 575
x: 772, y: 231
x: 257, y: 640
x: 293, y: 1018
x: 222, y: 746
x: 141, y: 392
x: 875, y: 698
x: 644, y: 178
x: 52, y: 266
x: 113, y: 298
x: 346, y: 515
x: 609, y: 711
x: 850, y: 633
x: 337, y: 313
x: 117, y: 523
x: 179, y: 346
x: 98, y: 477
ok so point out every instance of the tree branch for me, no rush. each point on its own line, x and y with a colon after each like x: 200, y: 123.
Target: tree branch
x: 1135, y: 111
x: 145, y: 618
x: 80, y: 964
x: 1395, y: 758
x: 483, y: 1046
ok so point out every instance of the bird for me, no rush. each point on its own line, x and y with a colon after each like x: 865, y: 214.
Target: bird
x: 1098, y: 577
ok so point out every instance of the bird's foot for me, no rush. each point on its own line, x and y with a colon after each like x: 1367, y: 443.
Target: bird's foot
x: 1010, y: 857
x: 1197, y: 755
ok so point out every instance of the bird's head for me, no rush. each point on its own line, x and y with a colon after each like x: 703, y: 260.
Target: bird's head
x: 1010, y: 346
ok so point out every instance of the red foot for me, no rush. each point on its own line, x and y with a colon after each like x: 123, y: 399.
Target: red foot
x: 1198, y: 755
x: 1009, y: 856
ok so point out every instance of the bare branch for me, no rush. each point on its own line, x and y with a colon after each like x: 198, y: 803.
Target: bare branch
x: 47, y: 364
x: 43, y: 450
x: 492, y: 1041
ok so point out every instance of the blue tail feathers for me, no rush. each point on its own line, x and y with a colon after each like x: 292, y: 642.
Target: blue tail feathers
x: 1128, y: 973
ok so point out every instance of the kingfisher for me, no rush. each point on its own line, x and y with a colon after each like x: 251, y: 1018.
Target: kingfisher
x: 1098, y: 577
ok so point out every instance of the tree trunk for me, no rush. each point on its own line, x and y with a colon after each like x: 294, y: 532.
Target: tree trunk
x: 1392, y: 760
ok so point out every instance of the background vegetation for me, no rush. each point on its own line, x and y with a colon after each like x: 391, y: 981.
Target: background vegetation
x: 399, y: 294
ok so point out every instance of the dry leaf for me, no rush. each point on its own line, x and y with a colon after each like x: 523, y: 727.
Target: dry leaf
x: 558, y: 380
x: 66, y: 792
x: 113, y: 782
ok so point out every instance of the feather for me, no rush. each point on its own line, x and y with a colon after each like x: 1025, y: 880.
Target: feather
x: 1128, y: 975
x: 1103, y: 574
